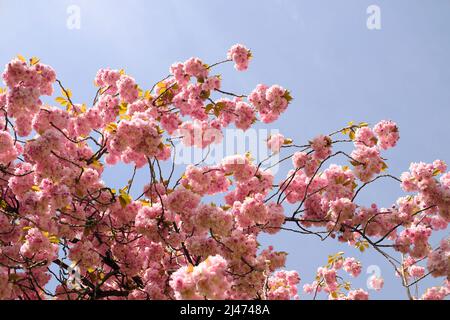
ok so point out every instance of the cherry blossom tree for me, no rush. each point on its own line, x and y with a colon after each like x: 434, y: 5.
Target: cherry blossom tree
x: 56, y: 212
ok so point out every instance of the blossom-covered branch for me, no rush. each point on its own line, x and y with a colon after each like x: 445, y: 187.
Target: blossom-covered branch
x: 56, y: 212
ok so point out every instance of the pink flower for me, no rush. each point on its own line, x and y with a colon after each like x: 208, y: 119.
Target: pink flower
x: 135, y: 139
x: 182, y: 200
x: 178, y: 71
x: 83, y: 253
x: 387, y: 132
x: 206, y: 180
x: 275, y: 219
x: 245, y: 115
x: 195, y: 67
x: 438, y: 260
x: 365, y: 137
x: 5, y: 285
x: 37, y: 246
x: 128, y: 89
x: 213, y: 218
x: 39, y: 76
x: 240, y: 167
x: 211, y: 83
x: 275, y: 142
x: 208, y: 280
x: 341, y: 209
x: 352, y: 266
x: 435, y: 293
x: 108, y: 78
x: 417, y: 236
x: 170, y: 122
x: 240, y: 55
x: 270, y: 102
x: 250, y: 212
x: 283, y: 285
x: 299, y: 159
x: 321, y: 146
x: 367, y: 162
x: 358, y: 294
x: 417, y: 271
x: 8, y: 151
x: 376, y: 282
x: 200, y: 133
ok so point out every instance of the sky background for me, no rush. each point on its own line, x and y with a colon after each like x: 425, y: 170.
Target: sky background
x: 336, y: 68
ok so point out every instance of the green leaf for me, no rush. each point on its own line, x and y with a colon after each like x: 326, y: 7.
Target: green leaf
x: 205, y: 95
x: 124, y: 199
x: 62, y: 101
x: 209, y: 107
x: 287, y: 96
x: 66, y: 93
x: 351, y: 135
x: 123, y: 107
x: 34, y: 60
x: 21, y: 58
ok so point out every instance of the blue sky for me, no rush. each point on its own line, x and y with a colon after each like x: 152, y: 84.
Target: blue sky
x: 336, y: 69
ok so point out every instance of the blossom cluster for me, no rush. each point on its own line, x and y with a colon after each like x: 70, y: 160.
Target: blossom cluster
x: 328, y: 281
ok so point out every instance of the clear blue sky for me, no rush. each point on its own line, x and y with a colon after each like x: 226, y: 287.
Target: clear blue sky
x: 336, y: 69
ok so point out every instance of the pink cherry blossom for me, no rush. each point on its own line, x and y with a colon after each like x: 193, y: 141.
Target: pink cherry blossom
x: 387, y: 133
x: 240, y: 55
x: 275, y: 142
x: 376, y: 282
x: 9, y: 152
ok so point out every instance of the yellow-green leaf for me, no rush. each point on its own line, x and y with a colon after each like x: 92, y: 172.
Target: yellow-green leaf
x: 97, y: 164
x: 34, y: 60
x: 21, y: 58
x: 111, y: 127
x: 209, y: 107
x: 351, y: 135
x: 147, y: 95
x: 3, y: 204
x: 53, y: 239
x: 287, y: 96
x: 145, y: 202
x: 66, y: 93
x: 436, y: 172
x: 62, y: 101
x: 124, y: 199
x: 123, y: 107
